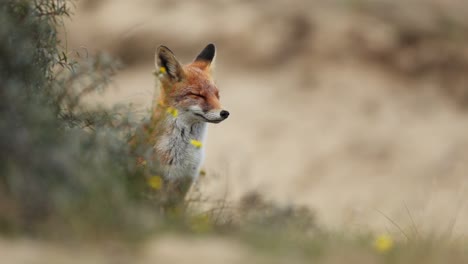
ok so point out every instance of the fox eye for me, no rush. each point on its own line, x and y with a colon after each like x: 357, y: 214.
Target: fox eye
x: 196, y: 95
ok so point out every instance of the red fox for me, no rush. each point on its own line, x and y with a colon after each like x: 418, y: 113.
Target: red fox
x: 174, y: 135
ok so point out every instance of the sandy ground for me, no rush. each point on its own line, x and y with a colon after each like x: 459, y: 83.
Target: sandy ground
x: 162, y: 250
x: 312, y: 123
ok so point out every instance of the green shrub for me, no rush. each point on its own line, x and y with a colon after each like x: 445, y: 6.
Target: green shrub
x: 61, y: 165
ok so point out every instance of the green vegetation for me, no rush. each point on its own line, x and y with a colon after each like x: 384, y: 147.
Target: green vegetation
x: 59, y: 161
x: 66, y: 171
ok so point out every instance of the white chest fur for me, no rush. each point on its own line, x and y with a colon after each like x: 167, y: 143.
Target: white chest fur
x: 182, y: 158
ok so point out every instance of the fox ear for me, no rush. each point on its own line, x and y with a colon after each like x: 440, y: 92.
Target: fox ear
x: 166, y: 62
x: 206, y: 56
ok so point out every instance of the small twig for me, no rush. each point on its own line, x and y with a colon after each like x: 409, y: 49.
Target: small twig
x: 394, y: 223
x: 412, y: 221
x: 457, y: 214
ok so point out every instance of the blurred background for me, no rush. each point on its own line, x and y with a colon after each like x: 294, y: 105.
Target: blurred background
x: 356, y: 109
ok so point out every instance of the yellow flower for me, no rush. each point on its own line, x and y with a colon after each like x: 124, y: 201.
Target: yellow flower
x: 174, y: 112
x: 155, y: 182
x: 162, y: 70
x: 383, y: 243
x: 202, y: 173
x: 196, y: 143
x: 201, y: 223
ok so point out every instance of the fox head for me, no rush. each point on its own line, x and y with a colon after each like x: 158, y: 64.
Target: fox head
x: 190, y: 88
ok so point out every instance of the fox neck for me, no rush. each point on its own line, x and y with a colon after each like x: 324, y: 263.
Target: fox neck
x: 170, y: 122
x: 174, y: 142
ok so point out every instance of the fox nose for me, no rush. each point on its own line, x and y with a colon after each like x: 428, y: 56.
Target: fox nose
x: 224, y: 114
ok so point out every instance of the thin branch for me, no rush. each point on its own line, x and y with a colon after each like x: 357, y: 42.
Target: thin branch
x: 394, y: 223
x: 412, y: 221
